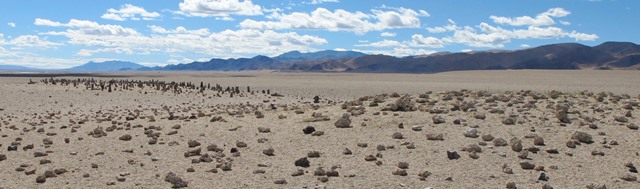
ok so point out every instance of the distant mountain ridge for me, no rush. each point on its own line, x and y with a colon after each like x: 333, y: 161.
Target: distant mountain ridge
x: 107, y: 66
x: 608, y: 55
x: 16, y: 68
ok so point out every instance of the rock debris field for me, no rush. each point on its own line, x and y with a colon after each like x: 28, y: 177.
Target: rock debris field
x: 125, y: 133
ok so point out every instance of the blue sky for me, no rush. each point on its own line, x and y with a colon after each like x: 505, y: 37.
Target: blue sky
x: 61, y: 34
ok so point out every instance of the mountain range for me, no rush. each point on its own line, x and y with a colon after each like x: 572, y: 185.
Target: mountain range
x: 608, y: 55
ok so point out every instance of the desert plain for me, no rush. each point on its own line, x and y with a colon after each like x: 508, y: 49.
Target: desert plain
x: 263, y: 129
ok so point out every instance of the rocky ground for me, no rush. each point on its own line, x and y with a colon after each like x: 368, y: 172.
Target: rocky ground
x: 122, y: 133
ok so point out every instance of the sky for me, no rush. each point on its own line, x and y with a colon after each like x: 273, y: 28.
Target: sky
x: 62, y: 34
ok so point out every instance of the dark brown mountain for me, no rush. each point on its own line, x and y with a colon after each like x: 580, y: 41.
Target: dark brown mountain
x: 608, y: 55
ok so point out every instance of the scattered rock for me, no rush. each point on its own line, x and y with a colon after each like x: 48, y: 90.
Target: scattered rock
x: 527, y: 165
x: 346, y: 151
x: 500, y: 142
x: 543, y: 177
x: 343, y: 122
x: 175, y: 181
x: 264, y: 129
x: 516, y: 145
x: 538, y: 141
x: 487, y: 137
x: 452, y: 155
x: 403, y: 165
x: 193, y: 143
x: 397, y: 135
x: 370, y: 158
x: 561, y: 111
x: 268, y: 152
x: 125, y: 137
x: 302, y: 162
x: 308, y: 130
x: 582, y: 137
x: 437, y: 119
x: 433, y: 136
x: 298, y: 172
x: 313, y: 154
x: 400, y: 172
x: 280, y: 181
x: 571, y: 144
x: 41, y: 179
x: 471, y: 133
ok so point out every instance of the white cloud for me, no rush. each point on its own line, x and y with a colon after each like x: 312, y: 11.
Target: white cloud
x: 46, y: 22
x: 128, y: 11
x: 98, y: 38
x: 219, y: 8
x: 323, y: 1
x: 339, y: 20
x: 542, y: 19
x: 179, y: 30
x: 525, y: 46
x: 11, y: 24
x: 421, y: 41
x: 398, y: 52
x: 473, y: 39
x: 490, y: 36
x: 388, y: 34
x: 564, y: 22
x: 30, y: 41
x: 383, y: 43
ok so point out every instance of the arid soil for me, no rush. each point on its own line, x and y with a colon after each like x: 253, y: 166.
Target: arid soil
x: 475, y: 129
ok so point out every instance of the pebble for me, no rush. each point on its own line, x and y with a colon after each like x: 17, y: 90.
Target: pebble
x: 41, y: 179
x: 500, y: 142
x: 433, y: 136
x: 264, y: 129
x: 471, y: 133
x: 298, y: 172
x: 280, y: 181
x: 452, y: 155
x: 175, y: 181
x: 527, y: 165
x: 346, y: 151
x: 397, y: 135
x: 125, y: 137
x: 308, y: 130
x: 403, y: 165
x: 516, y: 145
x: 343, y: 122
x: 302, y: 162
x: 582, y: 137
x: 538, y: 141
x: 487, y: 137
x: 268, y: 152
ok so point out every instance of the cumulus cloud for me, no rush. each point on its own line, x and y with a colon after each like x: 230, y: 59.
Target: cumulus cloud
x: 339, y: 20
x: 323, y: 1
x: 421, y: 41
x: 542, y: 19
x: 129, y: 12
x: 179, y: 30
x: 30, y: 41
x: 11, y: 24
x: 388, y: 34
x: 88, y: 27
x: 398, y: 51
x: 219, y: 8
x: 99, y: 38
x: 523, y: 27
